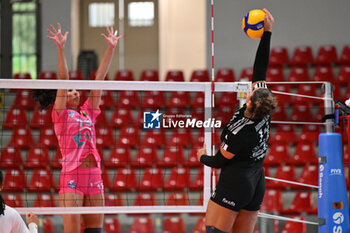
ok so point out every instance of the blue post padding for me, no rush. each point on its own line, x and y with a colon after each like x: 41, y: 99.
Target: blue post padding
x: 333, y: 205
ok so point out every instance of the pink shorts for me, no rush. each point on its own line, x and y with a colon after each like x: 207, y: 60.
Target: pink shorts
x: 84, y: 181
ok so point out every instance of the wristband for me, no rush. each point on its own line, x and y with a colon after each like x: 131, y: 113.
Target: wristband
x: 33, y: 228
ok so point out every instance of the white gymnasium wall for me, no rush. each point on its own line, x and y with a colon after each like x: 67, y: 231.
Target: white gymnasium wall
x: 297, y: 22
x: 54, y: 11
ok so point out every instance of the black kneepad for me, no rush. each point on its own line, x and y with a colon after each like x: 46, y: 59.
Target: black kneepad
x: 93, y: 230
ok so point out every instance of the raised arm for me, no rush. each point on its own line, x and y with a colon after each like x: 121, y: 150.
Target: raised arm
x: 263, y: 53
x: 112, y: 41
x: 60, y: 40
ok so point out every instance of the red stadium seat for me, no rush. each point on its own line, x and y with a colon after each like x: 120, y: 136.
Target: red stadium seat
x: 326, y: 55
x: 13, y: 200
x: 113, y: 199
x: 145, y: 199
x: 152, y: 180
x: 323, y: 73
x: 15, y: 118
x: 174, y: 225
x: 224, y: 114
x: 200, y: 76
x: 284, y: 172
x: 178, y: 99
x: 175, y: 76
x: 154, y: 137
x: 48, y: 138
x: 128, y: 99
x: 343, y: 75
x: 284, y: 137
x: 21, y: 138
x: 302, y: 56
x: 22, y: 76
x: 112, y: 225
x: 107, y: 99
x: 197, y: 184
x: 57, y: 160
x: 304, y: 154
x: 49, y: 75
x: 76, y: 75
x: 306, y: 89
x: 200, y: 226
x: 128, y: 136
x: 178, y: 180
x: 345, y: 55
x: 309, y: 175
x: 48, y: 226
x: 197, y: 113
x: 225, y: 75
x: 177, y: 199
x: 278, y: 56
x: 198, y: 101
x: 298, y: 74
x: 153, y: 99
x: 280, y: 113
x: 24, y: 100
x: 125, y: 180
x: 309, y: 136
x: 104, y: 137
x: 145, y: 157
x: 173, y: 156
x: 45, y: 200
x: 41, y: 181
x: 10, y: 158
x: 302, y: 113
x: 273, y: 201
x: 149, y: 75
x: 275, y: 74
x: 14, y: 181
x: 282, y: 98
x: 41, y: 118
x: 192, y: 160
x: 121, y: 117
x: 92, y: 75
x: 124, y: 75
x: 294, y: 227
x: 246, y: 74
x: 142, y: 225
x: 180, y: 138
x: 119, y: 157
x: 278, y: 154
x: 38, y: 157
x: 227, y: 99
x: 302, y: 203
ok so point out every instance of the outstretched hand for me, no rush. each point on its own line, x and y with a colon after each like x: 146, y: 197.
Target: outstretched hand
x: 57, y: 36
x: 111, y: 38
x: 268, y: 21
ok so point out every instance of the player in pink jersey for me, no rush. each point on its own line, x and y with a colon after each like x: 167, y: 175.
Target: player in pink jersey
x: 80, y: 181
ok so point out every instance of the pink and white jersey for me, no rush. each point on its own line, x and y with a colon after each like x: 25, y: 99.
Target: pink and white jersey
x: 75, y: 131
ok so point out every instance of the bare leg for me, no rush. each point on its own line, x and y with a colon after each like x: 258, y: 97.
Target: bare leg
x: 71, y: 222
x: 93, y: 220
x: 245, y: 222
x: 220, y: 217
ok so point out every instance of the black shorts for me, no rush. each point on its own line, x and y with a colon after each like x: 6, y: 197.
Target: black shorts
x: 245, y: 190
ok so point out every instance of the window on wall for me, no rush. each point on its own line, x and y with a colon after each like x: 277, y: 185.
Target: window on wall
x: 141, y: 14
x: 101, y: 14
x: 24, y: 38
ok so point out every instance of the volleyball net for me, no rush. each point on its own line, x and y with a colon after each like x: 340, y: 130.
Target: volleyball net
x: 149, y: 163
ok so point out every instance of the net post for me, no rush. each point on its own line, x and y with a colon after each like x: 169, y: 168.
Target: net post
x: 329, y: 105
x: 207, y: 138
x: 333, y: 205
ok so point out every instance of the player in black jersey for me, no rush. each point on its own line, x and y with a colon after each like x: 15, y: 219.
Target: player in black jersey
x: 240, y: 191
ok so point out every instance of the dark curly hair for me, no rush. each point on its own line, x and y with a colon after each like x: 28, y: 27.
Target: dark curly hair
x: 263, y: 103
x: 45, y: 97
x: 2, y: 202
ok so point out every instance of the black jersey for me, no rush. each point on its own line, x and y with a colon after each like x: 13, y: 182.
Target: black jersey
x: 247, y: 139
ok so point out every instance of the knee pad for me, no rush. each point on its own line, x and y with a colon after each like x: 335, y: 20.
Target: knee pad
x: 211, y: 229
x: 93, y: 230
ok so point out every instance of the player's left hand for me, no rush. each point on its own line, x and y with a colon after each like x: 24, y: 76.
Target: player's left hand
x: 111, y: 38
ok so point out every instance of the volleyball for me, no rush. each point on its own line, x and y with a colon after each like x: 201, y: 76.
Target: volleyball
x: 253, y: 23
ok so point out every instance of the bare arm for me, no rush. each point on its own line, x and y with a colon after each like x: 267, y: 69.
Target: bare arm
x: 112, y: 40
x: 60, y: 40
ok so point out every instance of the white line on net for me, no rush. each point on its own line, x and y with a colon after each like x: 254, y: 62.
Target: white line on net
x: 306, y: 96
x: 299, y: 122
x: 291, y: 182
x: 277, y: 217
